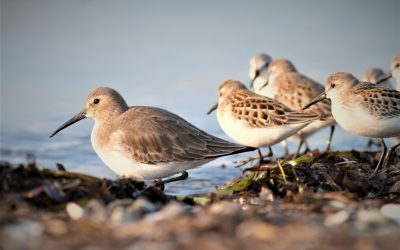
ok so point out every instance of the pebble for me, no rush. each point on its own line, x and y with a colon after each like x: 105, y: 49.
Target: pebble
x: 257, y: 230
x: 370, y: 220
x: 337, y: 218
x: 74, y: 211
x: 224, y: 208
x: 56, y: 227
x: 169, y: 212
x: 24, y: 229
x: 391, y: 211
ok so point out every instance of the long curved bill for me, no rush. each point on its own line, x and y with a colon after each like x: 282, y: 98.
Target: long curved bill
x: 317, y: 99
x: 214, y: 107
x: 81, y: 115
x: 386, y: 77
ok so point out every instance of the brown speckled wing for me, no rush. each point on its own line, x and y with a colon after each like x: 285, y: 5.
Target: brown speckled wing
x: 296, y: 90
x: 383, y: 103
x: 158, y: 136
x: 259, y: 111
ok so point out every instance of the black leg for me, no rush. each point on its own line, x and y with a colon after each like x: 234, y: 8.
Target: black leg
x: 382, y: 156
x: 389, y: 154
x: 329, y: 142
x: 184, y: 175
x: 302, y: 141
x: 307, y: 147
x: 260, y: 158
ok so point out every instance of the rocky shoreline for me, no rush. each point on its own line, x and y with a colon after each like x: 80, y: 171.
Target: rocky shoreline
x: 317, y: 201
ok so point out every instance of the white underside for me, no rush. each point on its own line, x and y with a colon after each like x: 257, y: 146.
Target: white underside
x: 360, y: 122
x: 125, y: 166
x: 117, y: 158
x: 239, y: 131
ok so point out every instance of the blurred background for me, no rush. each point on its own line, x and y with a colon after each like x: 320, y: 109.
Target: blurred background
x: 169, y: 54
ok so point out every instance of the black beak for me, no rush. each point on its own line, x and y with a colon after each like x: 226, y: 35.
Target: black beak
x: 257, y: 73
x: 214, y: 107
x: 319, y: 98
x: 76, y: 118
x: 386, y: 77
x: 265, y: 84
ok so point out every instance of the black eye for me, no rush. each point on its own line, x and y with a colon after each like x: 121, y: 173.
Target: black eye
x: 397, y: 65
x: 332, y: 85
x: 96, y: 101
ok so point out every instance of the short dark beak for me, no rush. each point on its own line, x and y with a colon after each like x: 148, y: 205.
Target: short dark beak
x: 254, y: 78
x: 265, y: 84
x: 76, y: 118
x: 319, y: 98
x: 214, y: 107
x: 386, y: 77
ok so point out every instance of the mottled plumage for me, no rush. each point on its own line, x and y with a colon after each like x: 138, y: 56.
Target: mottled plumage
x: 256, y: 120
x: 284, y: 84
x: 364, y: 109
x: 383, y: 103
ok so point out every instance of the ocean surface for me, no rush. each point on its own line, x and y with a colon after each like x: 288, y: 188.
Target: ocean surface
x: 72, y: 148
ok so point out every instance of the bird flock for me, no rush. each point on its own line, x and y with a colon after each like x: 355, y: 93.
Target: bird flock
x: 152, y: 143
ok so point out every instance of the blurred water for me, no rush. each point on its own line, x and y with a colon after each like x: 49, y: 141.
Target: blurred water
x: 72, y: 148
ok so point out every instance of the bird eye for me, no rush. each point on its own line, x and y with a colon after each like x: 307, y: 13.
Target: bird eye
x: 397, y: 65
x: 333, y: 85
x: 96, y: 101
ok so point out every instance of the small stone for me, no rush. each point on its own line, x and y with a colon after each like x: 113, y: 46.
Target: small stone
x: 142, y: 205
x: 96, y: 210
x: 119, y: 216
x: 370, y: 219
x: 391, y: 211
x: 169, y: 212
x: 74, y: 211
x: 24, y: 229
x: 266, y: 194
x: 56, y: 227
x: 256, y: 230
x: 224, y: 208
x: 337, y: 218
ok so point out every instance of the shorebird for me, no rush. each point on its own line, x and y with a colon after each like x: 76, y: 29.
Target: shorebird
x: 375, y: 75
x: 394, y: 71
x: 254, y: 120
x: 364, y: 109
x: 284, y: 84
x: 258, y: 64
x: 147, y: 142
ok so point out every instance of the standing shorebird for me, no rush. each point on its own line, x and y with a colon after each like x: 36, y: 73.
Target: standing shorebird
x: 147, y: 142
x: 394, y: 71
x: 258, y: 64
x: 375, y: 75
x: 254, y: 120
x: 284, y: 84
x: 364, y: 109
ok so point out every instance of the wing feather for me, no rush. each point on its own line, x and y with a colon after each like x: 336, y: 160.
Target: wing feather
x: 155, y: 135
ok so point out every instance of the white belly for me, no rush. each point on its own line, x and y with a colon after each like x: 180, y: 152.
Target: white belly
x: 359, y: 122
x: 118, y: 159
x: 239, y: 131
x: 127, y: 167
